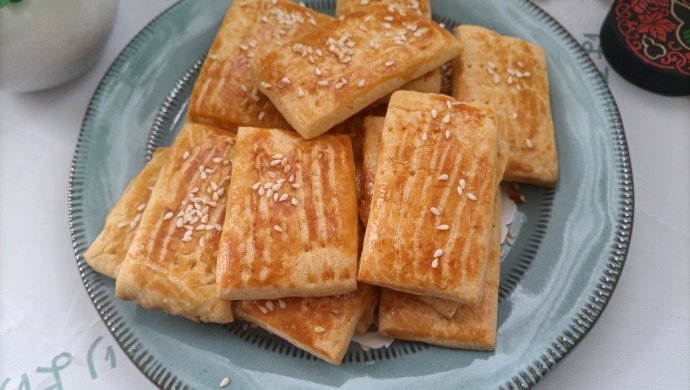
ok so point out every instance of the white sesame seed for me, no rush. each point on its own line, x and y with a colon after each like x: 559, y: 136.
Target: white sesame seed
x: 263, y: 310
x: 514, y: 115
x: 322, y: 83
x: 278, y: 228
x: 463, y: 183
x: 269, y: 305
x: 269, y: 193
x: 202, y: 242
x: 434, y: 113
x: 443, y: 177
x: 449, y: 104
x: 276, y: 187
x: 471, y: 197
x: 122, y: 224
x: 447, y: 134
x: 262, y: 115
x: 527, y: 74
x: 520, y: 64
x: 434, y: 263
x: 319, y: 329
x: 218, y: 227
x: 204, y: 175
x: 300, y: 92
x: 442, y: 227
x: 424, y: 136
x: 446, y: 119
x: 280, y: 181
x: 497, y: 79
x: 283, y: 197
x: 281, y: 304
x: 179, y: 223
x: 361, y: 83
x: 459, y: 190
x: 224, y: 382
x: 256, y: 185
x: 275, y: 162
x: 389, y: 63
x: 262, y: 191
x: 318, y: 71
x: 213, y: 57
x: 168, y: 215
x: 291, y: 178
x: 244, y: 88
x: 296, y: 185
x: 275, y: 196
x: 141, y: 207
x: 528, y: 142
x: 217, y: 160
x: 185, y: 155
x: 491, y: 65
x: 272, y: 174
x: 294, y: 201
x: 285, y: 80
x: 226, y: 162
x: 287, y: 168
x: 435, y: 211
x: 438, y: 253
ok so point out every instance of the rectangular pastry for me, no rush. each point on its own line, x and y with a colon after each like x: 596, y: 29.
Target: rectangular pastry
x: 171, y: 263
x: 430, y: 82
x: 291, y: 222
x: 373, y: 128
x: 325, y: 76
x: 511, y: 75
x: 224, y: 94
x: 430, y: 219
x: 322, y: 326
x: 403, y: 316
x: 108, y: 250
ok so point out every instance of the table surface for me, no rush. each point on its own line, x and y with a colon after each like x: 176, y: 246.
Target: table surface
x: 641, y: 341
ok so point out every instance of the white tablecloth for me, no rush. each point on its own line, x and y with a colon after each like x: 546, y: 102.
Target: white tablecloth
x: 48, y: 324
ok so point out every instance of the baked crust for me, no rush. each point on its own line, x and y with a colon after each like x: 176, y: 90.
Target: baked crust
x: 404, y: 316
x: 171, y: 263
x: 421, y: 8
x: 511, y: 75
x: 364, y: 56
x: 291, y: 224
x: 322, y: 326
x: 224, y: 94
x: 424, y: 163
x: 108, y: 250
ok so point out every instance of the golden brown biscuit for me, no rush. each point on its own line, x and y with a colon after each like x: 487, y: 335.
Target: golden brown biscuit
x: 322, y: 326
x: 108, y: 250
x: 291, y: 223
x: 171, y: 262
x: 430, y: 82
x: 325, y: 76
x: 373, y: 127
x: 404, y: 316
x: 511, y: 75
x: 224, y: 94
x: 430, y: 218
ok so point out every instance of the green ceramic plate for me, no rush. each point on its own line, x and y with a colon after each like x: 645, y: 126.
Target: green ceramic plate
x: 555, y: 280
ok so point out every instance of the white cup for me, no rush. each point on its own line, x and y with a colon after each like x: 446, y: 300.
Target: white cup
x: 45, y: 43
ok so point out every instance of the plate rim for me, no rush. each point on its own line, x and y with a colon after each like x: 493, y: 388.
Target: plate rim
x: 526, y: 376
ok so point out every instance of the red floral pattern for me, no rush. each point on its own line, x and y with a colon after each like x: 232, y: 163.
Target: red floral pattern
x: 656, y: 25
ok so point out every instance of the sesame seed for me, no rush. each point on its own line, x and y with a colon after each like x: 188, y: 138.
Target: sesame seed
x: 463, y: 183
x: 168, y: 215
x: 459, y: 189
x: 287, y: 168
x: 276, y: 187
x: 389, y: 63
x: 491, y: 65
x: 291, y: 178
x: 256, y: 185
x: 269, y: 305
x: 283, y: 161
x: 262, y: 115
x: 179, y: 223
x: 514, y: 115
x: 281, y: 304
x: 272, y: 174
x: 202, y: 242
x: 527, y: 74
x: 520, y: 64
x: 319, y: 329
x: 213, y: 57
x: 449, y: 104
x: 294, y: 201
x: 434, y: 113
x: 141, y: 207
x: 269, y: 193
x: 278, y: 228
x: 285, y: 80
x: 204, y: 175
x: 185, y: 155
x: 434, y: 263
x: 528, y: 142
x: 122, y: 224
x: 218, y: 227
x: 446, y: 119
x: 442, y: 227
x: 424, y: 136
x: 300, y: 92
x: 318, y: 71
x: 296, y: 185
x: 224, y: 382
x: 263, y: 310
x: 438, y: 253
x: 497, y: 79
x: 471, y: 197
x: 443, y: 177
x: 217, y: 160
x: 265, y: 85
x: 244, y: 88
x: 275, y: 197
x: 262, y: 191
x: 275, y: 162
x: 435, y: 211
x: 447, y: 134
x: 280, y: 181
x: 283, y: 197
x: 322, y: 83
x: 361, y: 83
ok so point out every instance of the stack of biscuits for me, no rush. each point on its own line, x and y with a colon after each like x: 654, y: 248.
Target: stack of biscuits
x: 323, y: 186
